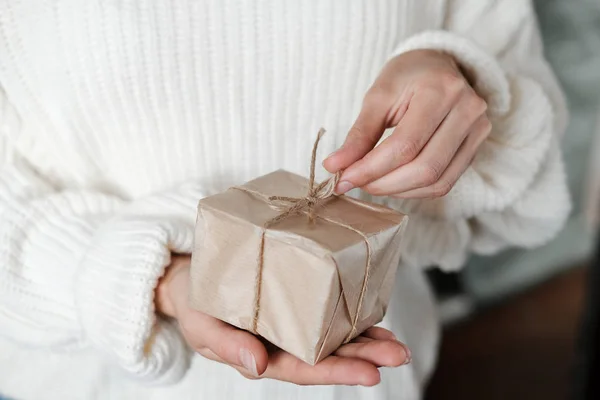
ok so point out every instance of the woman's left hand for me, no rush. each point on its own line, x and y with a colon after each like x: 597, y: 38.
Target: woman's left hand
x: 439, y: 121
x: 354, y: 363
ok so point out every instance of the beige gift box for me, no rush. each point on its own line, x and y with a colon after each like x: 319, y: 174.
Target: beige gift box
x: 314, y: 284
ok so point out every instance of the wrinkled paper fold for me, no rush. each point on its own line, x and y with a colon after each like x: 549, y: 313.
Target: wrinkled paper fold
x: 312, y: 272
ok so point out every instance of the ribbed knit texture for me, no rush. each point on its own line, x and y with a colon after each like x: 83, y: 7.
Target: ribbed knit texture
x: 117, y: 116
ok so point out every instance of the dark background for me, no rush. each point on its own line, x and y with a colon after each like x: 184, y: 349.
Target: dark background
x: 523, y: 324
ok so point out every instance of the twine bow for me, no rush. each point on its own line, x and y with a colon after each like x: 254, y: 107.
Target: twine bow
x: 317, y: 196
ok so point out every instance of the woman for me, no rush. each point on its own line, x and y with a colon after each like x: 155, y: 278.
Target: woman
x: 117, y: 116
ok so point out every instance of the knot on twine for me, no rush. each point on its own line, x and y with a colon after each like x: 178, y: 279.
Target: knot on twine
x: 316, y: 196
x: 288, y: 206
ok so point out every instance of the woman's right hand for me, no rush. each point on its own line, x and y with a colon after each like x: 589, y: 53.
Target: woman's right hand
x: 354, y: 363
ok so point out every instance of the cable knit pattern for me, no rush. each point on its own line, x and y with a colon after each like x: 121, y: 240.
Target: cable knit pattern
x: 117, y: 116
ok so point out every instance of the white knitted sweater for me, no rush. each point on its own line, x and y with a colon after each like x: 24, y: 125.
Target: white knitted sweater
x: 117, y: 116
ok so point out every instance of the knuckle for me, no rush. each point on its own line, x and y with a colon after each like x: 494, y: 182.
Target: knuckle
x: 356, y: 132
x: 192, y: 340
x: 379, y: 96
x: 328, y: 374
x: 447, y: 85
x: 431, y: 89
x: 429, y: 173
x: 442, y: 188
x: 477, y: 105
x: 472, y: 107
x: 203, y: 351
x: 452, y: 82
x: 368, y: 173
x: 482, y: 105
x: 406, y: 151
x: 358, y: 135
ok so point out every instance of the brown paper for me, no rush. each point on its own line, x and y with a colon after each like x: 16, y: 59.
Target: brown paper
x: 312, y: 272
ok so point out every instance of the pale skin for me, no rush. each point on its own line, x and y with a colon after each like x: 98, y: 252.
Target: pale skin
x: 440, y: 122
x: 355, y: 363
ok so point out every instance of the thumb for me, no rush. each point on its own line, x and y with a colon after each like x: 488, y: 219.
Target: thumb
x: 234, y: 346
x: 363, y: 136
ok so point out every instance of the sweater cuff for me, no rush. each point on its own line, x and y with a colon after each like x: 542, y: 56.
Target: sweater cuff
x: 487, y: 76
x: 436, y: 242
x: 535, y: 218
x: 115, y: 295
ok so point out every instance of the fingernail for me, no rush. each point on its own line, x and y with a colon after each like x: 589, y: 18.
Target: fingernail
x: 343, y: 187
x: 408, y: 359
x: 248, y: 361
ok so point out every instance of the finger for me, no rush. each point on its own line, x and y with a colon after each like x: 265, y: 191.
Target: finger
x: 425, y: 113
x: 361, y: 339
x: 381, y: 353
x: 430, y: 164
x: 234, y: 346
x: 364, y: 134
x: 333, y: 370
x: 377, y: 332
x: 209, y: 354
x: 458, y: 165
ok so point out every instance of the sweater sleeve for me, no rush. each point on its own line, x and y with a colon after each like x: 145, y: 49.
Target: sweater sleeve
x: 79, y: 267
x: 514, y: 193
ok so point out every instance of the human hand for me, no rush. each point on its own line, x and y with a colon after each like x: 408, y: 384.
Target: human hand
x: 439, y: 121
x: 355, y: 363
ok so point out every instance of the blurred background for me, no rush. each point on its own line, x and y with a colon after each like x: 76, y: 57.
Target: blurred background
x: 514, y: 322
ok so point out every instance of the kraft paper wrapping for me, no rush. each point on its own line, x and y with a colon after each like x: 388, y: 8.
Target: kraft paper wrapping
x: 312, y: 272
